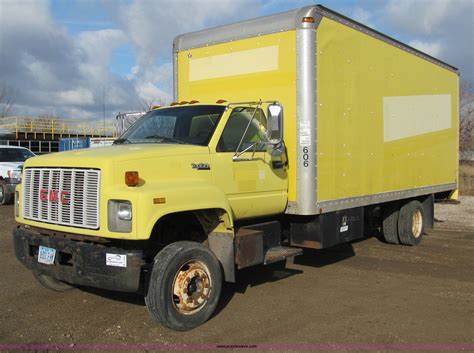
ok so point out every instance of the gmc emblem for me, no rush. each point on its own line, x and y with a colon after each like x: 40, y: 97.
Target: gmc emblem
x: 54, y: 196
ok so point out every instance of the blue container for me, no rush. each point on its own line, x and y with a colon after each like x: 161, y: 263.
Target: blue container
x: 73, y: 143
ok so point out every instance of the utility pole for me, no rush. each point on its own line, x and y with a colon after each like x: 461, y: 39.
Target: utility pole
x: 103, y: 108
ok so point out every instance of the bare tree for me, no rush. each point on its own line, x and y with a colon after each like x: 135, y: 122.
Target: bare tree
x: 145, y: 105
x: 466, y: 119
x: 7, y: 99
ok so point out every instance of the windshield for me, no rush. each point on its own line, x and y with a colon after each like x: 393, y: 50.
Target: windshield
x: 189, y: 124
x: 15, y: 154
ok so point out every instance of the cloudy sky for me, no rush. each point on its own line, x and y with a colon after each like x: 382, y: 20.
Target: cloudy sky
x: 59, y: 55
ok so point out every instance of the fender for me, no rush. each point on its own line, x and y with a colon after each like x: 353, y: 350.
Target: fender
x: 175, y: 197
x: 189, y: 196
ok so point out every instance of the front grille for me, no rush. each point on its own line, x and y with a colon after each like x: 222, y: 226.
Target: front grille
x: 62, y: 196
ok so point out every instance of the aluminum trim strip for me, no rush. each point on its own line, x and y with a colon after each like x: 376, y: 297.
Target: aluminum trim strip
x: 288, y: 21
x: 351, y: 202
x: 175, y: 75
x: 333, y: 15
x: 306, y: 148
x: 245, y: 29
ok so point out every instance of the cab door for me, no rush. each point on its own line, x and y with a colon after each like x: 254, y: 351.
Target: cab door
x: 254, y: 181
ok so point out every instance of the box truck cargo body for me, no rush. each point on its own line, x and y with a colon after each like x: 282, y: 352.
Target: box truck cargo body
x: 367, y: 119
x: 299, y: 130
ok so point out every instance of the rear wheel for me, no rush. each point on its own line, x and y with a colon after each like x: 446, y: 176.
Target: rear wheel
x: 52, y: 283
x: 390, y: 223
x: 184, y: 285
x: 411, y: 223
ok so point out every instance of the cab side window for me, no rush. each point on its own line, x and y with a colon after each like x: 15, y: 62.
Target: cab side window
x: 235, y: 129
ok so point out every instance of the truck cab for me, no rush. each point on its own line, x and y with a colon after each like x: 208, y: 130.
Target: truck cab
x: 182, y: 175
x: 11, y: 165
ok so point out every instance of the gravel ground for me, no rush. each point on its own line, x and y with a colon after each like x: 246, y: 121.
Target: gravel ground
x: 366, y: 292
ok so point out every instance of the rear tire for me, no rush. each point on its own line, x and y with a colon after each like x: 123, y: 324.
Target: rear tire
x: 411, y: 223
x: 5, y: 197
x: 390, y: 223
x: 52, y: 283
x: 184, y: 286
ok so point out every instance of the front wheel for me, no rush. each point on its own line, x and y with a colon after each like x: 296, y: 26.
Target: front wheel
x: 5, y: 196
x: 184, y: 286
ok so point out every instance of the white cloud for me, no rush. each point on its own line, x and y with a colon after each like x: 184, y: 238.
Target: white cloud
x: 362, y: 16
x: 152, y: 25
x: 80, y: 96
x: 97, y: 47
x: 432, y: 48
x: 419, y: 16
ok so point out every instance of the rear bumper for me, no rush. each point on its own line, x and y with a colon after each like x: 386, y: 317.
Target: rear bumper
x: 79, y: 262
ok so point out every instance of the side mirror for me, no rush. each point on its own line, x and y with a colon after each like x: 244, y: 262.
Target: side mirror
x: 275, y: 123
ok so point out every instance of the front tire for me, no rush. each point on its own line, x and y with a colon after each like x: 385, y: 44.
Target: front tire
x: 411, y: 223
x: 5, y: 196
x: 184, y: 286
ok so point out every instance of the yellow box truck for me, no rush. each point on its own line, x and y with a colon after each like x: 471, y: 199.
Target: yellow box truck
x: 288, y: 132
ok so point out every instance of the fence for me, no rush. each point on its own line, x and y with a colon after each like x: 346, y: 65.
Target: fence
x: 37, y: 147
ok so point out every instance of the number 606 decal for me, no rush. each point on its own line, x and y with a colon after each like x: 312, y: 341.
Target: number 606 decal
x: 305, y: 157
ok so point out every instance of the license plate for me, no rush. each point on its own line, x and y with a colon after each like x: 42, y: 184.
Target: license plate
x: 46, y: 255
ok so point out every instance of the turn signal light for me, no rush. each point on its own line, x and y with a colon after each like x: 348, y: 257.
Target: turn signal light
x: 308, y: 19
x: 131, y: 178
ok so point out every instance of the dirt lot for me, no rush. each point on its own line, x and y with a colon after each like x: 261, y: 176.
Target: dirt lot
x: 364, y: 292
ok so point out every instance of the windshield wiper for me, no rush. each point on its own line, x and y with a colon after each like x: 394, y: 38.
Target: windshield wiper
x: 122, y: 140
x: 165, y: 138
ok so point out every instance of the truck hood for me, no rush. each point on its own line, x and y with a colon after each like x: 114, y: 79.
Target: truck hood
x: 99, y: 157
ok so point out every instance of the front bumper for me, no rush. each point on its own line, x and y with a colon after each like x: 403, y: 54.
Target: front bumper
x: 78, y: 262
x: 11, y: 184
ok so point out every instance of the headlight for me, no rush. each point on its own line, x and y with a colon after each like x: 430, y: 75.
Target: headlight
x: 119, y: 214
x: 17, y: 204
x: 124, y: 211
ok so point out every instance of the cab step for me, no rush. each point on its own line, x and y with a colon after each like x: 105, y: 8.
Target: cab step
x: 280, y: 253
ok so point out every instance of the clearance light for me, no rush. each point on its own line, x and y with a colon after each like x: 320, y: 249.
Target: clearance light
x: 158, y: 200
x: 131, y: 178
x: 308, y: 19
x: 156, y: 107
x: 193, y: 102
x: 174, y: 103
x: 220, y: 101
x: 183, y: 102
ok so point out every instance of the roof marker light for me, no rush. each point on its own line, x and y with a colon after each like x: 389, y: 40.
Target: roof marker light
x: 220, y: 101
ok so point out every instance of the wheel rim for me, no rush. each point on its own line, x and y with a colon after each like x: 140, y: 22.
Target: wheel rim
x: 191, y: 287
x: 417, y: 223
